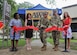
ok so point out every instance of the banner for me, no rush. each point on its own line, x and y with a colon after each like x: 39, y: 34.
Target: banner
x: 37, y: 14
x: 7, y: 9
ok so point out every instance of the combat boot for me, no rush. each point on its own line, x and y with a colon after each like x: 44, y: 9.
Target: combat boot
x: 44, y: 48
x: 56, y: 48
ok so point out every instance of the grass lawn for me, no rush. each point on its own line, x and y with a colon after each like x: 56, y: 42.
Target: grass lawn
x: 50, y: 40
x: 73, y: 43
x: 21, y: 43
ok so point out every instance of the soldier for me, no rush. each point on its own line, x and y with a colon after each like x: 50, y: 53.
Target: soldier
x: 43, y: 24
x: 56, y: 21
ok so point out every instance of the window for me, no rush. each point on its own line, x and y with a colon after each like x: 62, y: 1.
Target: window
x: 74, y: 27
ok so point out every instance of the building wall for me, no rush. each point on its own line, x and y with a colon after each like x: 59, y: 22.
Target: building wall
x: 71, y: 10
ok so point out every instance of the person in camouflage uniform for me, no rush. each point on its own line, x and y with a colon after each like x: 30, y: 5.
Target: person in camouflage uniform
x: 43, y: 24
x: 56, y: 21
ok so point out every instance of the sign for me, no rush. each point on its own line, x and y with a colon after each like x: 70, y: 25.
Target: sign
x: 7, y: 9
x: 6, y: 12
x: 37, y: 14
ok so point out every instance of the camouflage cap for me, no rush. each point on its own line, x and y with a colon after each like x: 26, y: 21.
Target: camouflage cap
x: 45, y: 13
x: 55, y: 11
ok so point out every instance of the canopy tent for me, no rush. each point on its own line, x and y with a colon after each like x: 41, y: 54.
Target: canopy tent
x: 38, y: 11
x: 36, y: 8
x: 39, y: 7
x: 21, y: 11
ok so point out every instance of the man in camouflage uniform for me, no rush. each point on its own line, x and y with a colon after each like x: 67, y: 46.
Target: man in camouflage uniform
x: 56, y: 21
x: 43, y: 24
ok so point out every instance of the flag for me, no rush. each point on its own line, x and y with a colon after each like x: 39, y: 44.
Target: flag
x: 1, y: 25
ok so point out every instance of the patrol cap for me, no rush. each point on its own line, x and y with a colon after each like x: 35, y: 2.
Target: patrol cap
x: 45, y: 13
x: 55, y: 11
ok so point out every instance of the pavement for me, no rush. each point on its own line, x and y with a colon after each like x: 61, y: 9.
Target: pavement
x: 36, y: 45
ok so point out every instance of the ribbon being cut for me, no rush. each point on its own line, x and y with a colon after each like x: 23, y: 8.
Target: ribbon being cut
x: 64, y: 28
x: 16, y: 29
x: 57, y: 28
x: 1, y: 25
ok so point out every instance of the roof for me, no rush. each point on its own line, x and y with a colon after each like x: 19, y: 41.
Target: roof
x: 39, y: 7
x: 70, y: 6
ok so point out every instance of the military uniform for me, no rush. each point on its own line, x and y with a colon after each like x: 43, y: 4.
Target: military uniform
x: 43, y: 24
x: 56, y: 21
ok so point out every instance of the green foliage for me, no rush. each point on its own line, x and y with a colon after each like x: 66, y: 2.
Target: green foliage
x: 25, y: 5
x: 1, y: 5
x: 35, y: 23
x: 21, y: 43
x: 13, y: 6
x: 51, y: 2
x: 73, y: 43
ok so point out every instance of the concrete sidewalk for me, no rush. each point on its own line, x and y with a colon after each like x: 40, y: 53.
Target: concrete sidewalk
x: 36, y: 45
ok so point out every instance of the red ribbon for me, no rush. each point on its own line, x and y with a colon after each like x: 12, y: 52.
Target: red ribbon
x: 57, y: 28
x: 51, y: 29
x: 66, y: 23
x: 16, y: 29
x: 19, y: 28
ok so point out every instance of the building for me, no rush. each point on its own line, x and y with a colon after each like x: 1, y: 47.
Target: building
x: 72, y: 10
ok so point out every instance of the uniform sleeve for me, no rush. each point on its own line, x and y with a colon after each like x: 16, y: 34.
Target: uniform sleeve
x: 60, y: 23
x: 11, y: 23
x: 39, y: 23
x: 47, y: 23
x: 51, y: 22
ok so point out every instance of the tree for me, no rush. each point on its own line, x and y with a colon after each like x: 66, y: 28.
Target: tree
x: 13, y: 6
x: 1, y: 1
x: 25, y: 5
x: 52, y: 2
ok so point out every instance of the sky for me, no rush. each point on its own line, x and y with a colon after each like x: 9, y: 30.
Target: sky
x: 59, y: 3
